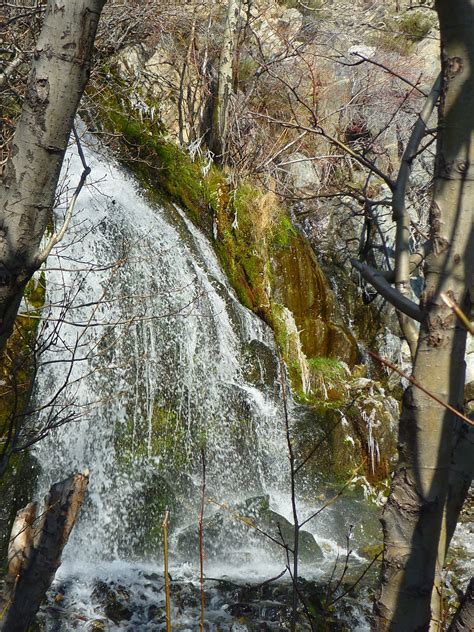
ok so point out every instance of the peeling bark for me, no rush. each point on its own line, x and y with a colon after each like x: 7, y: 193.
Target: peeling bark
x: 59, y: 74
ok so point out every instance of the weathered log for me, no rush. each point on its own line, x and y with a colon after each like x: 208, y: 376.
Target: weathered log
x: 20, y: 546
x: 35, y: 550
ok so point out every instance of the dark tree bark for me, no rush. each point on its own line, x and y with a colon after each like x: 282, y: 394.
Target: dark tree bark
x: 464, y: 618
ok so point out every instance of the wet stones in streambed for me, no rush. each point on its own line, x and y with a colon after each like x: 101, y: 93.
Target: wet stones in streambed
x: 115, y: 600
x: 136, y: 602
x: 230, y: 531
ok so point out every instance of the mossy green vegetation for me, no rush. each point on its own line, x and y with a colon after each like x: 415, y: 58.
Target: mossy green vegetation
x: 253, y: 236
x: 314, y: 8
x: 415, y: 25
x: 17, y: 361
x: 327, y: 366
x: 328, y: 380
x: 270, y: 265
x: 164, y: 438
x: 163, y: 447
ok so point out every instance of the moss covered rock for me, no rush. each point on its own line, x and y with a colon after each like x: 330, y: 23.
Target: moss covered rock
x: 270, y: 264
x: 267, y: 260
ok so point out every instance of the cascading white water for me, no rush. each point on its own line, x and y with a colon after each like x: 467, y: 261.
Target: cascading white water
x: 164, y: 353
x: 148, y: 349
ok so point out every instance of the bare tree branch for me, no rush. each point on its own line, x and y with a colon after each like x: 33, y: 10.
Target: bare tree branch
x: 393, y: 296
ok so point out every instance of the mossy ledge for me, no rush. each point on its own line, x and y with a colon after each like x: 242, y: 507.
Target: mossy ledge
x: 270, y: 265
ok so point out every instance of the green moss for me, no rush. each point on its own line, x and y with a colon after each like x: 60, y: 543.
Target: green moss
x: 268, y: 262
x: 164, y: 436
x: 311, y: 7
x: 335, y: 460
x: 255, y: 240
x: 247, y: 69
x: 327, y: 366
x: 35, y: 291
x: 415, y: 24
x: 284, y: 231
x: 17, y: 361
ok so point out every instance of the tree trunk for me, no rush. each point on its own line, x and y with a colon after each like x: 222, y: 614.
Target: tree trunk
x: 414, y: 519
x: 460, y: 478
x: 35, y: 550
x: 59, y: 73
x: 220, y: 113
x: 464, y: 618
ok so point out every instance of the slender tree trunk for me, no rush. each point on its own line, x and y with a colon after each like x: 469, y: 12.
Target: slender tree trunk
x: 59, y: 73
x: 220, y: 114
x: 417, y: 513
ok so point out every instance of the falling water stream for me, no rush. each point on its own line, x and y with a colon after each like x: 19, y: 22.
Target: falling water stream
x: 158, y: 366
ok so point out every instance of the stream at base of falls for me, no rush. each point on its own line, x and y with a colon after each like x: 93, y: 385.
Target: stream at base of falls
x: 153, y: 364
x: 118, y: 596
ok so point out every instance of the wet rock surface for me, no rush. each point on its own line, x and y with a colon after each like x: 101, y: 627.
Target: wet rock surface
x: 228, y: 529
x: 230, y: 607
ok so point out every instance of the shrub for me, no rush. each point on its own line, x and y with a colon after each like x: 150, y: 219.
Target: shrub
x: 415, y: 25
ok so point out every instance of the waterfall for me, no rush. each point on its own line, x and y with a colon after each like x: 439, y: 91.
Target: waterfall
x: 162, y: 362
x: 152, y: 364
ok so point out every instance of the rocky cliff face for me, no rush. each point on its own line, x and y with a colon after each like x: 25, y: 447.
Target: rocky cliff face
x: 260, y: 236
x: 287, y: 211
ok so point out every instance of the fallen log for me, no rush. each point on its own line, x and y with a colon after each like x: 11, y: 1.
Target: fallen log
x: 34, y: 555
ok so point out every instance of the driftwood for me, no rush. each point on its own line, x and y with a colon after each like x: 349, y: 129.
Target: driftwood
x: 35, y: 549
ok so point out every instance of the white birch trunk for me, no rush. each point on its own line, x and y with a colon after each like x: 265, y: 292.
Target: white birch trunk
x: 220, y: 114
x: 59, y: 73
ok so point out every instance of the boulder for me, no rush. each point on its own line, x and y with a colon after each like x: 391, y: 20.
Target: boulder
x: 302, y: 172
x: 115, y: 600
x: 230, y: 531
x: 130, y: 61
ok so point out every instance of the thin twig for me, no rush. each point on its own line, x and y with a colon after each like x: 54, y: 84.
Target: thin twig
x: 334, y: 498
x: 248, y: 523
x: 357, y: 581
x: 273, y: 579
x: 296, y: 527
x: 458, y: 311
x: 201, y: 539
x: 167, y: 577
x: 411, y: 379
x: 346, y: 560
x: 56, y: 237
